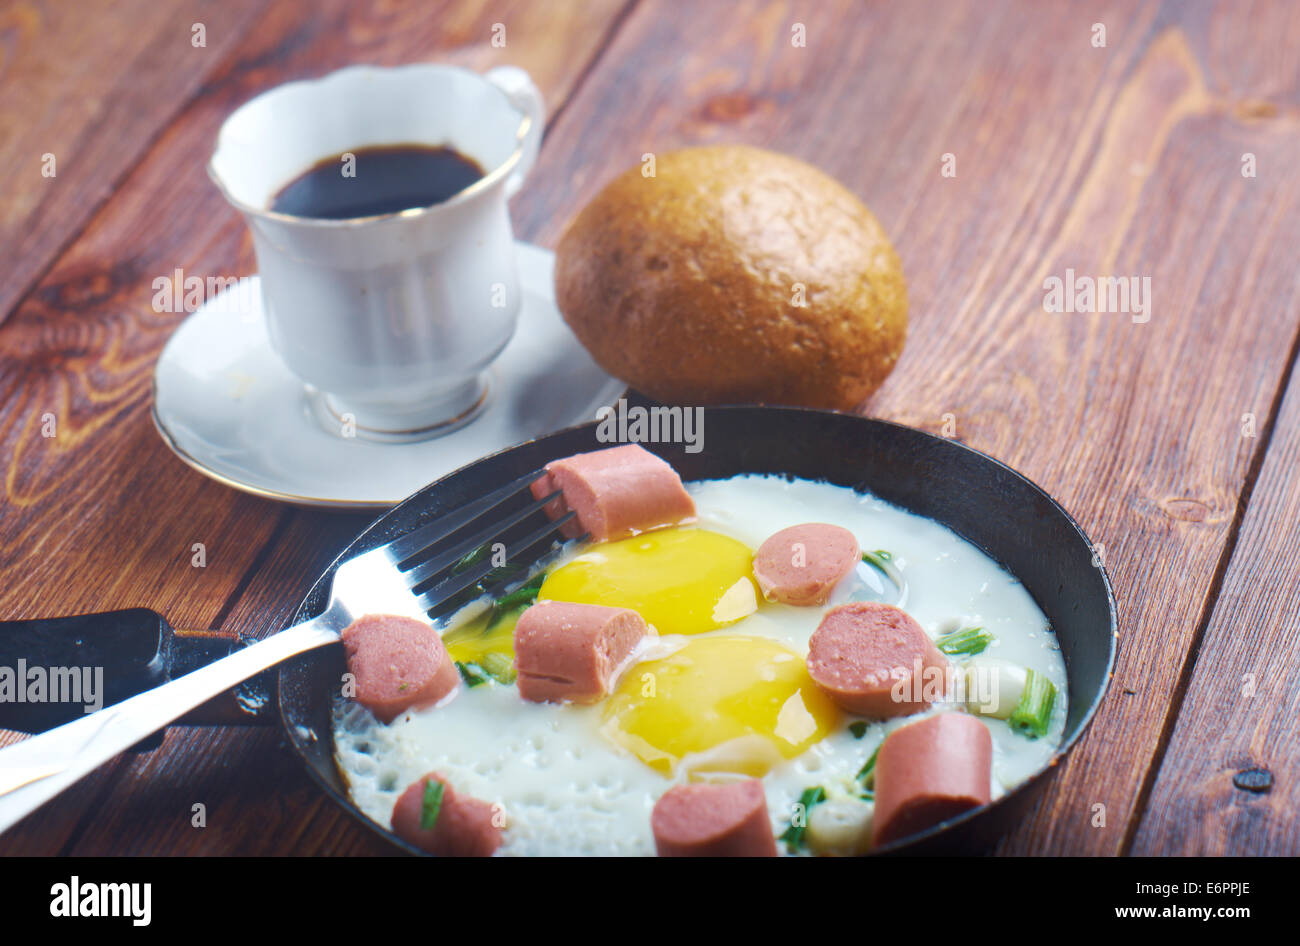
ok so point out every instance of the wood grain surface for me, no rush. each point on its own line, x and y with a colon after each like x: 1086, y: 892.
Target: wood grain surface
x: 79, y: 84
x: 1227, y: 784
x: 1123, y: 160
x: 81, y: 346
x: 1067, y: 156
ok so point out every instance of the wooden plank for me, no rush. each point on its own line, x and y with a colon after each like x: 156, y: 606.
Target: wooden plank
x: 1123, y: 160
x: 43, y: 832
x: 281, y: 811
x: 101, y: 515
x: 80, y: 83
x: 1227, y: 784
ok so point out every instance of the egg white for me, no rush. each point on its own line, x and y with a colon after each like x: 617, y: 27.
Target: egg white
x: 564, y: 789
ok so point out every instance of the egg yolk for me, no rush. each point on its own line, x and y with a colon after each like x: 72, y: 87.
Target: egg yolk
x: 486, y: 634
x: 683, y: 581
x: 747, y: 703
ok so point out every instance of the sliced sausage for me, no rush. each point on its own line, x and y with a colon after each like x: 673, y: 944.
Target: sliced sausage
x: 800, y: 565
x: 930, y: 771
x: 567, y: 652
x: 464, y: 827
x: 399, y: 663
x: 875, y: 660
x: 713, y: 820
x: 616, y: 493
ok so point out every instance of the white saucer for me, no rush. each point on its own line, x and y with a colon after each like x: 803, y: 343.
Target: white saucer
x: 228, y: 407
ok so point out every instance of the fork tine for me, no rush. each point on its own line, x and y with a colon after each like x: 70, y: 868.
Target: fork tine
x: 420, y: 539
x: 459, y: 581
x: 454, y: 554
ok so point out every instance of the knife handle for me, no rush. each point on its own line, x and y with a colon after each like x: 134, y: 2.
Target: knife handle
x: 55, y: 670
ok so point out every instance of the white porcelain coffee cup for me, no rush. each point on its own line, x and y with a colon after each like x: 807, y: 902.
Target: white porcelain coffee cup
x: 391, y: 320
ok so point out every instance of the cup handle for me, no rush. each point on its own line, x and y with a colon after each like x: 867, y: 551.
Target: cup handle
x: 523, y: 95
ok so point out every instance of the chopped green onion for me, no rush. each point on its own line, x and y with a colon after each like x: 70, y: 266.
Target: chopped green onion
x: 503, y: 573
x: 1032, y: 713
x: 472, y: 674
x: 500, y: 667
x: 859, y: 729
x: 495, y: 576
x: 432, y: 804
x: 492, y: 666
x: 514, y: 603
x: 879, y: 558
x: 867, y: 774
x: 524, y: 594
x: 883, y: 562
x: 500, y: 614
x: 793, y: 835
x: 471, y: 559
x: 968, y: 640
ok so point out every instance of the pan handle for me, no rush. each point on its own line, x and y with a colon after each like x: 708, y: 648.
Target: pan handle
x: 35, y: 770
x: 56, y: 670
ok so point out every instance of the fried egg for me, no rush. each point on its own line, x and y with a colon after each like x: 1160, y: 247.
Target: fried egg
x: 715, y: 690
x: 719, y: 692
x: 682, y: 581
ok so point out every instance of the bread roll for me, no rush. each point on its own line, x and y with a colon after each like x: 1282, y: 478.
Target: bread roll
x: 734, y: 275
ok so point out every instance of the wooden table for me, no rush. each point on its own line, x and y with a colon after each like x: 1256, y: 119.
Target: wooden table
x: 1172, y: 440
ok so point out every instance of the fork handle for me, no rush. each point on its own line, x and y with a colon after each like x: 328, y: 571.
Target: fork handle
x: 35, y: 770
x: 85, y: 662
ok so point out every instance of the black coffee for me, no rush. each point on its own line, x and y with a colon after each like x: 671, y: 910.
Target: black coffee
x: 378, y: 180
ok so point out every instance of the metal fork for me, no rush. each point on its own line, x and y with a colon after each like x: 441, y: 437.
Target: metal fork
x: 399, y: 577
